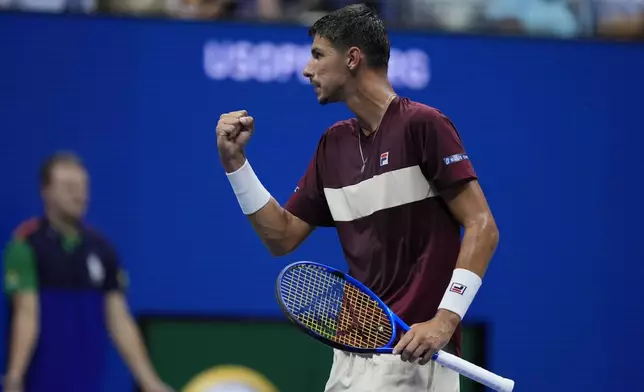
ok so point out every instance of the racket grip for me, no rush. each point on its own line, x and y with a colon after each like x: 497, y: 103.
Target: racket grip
x: 474, y: 372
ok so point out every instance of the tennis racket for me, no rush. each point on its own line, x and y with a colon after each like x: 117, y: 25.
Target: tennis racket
x: 341, y: 312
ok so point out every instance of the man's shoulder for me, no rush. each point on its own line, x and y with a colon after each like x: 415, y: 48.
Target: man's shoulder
x: 26, y: 229
x: 421, y: 118
x: 340, y: 128
x: 334, y: 135
x: 97, y: 236
x: 100, y: 244
x: 417, y: 111
x: 18, y: 249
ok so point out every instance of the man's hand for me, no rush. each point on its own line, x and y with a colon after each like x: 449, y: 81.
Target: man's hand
x: 234, y: 130
x: 12, y: 384
x: 425, y: 339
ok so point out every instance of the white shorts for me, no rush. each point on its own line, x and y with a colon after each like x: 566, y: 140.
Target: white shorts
x: 388, y: 373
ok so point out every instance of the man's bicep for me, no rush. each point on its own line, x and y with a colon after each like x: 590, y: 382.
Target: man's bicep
x: 307, y: 207
x: 298, y: 229
x: 25, y: 302
x: 467, y: 202
x: 115, y: 304
x: 20, y: 272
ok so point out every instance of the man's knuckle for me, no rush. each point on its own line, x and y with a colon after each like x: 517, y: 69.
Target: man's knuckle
x: 238, y: 113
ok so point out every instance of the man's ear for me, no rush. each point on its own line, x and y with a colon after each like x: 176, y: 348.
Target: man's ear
x: 354, y: 58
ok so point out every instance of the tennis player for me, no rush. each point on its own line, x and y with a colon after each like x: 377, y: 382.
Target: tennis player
x: 397, y: 184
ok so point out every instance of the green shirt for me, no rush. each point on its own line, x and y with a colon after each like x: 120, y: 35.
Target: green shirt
x: 20, y: 273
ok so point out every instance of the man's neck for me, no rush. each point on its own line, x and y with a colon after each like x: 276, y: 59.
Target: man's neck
x: 63, y: 226
x: 369, y: 101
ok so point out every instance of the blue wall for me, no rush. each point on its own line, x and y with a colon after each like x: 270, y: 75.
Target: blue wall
x: 553, y: 127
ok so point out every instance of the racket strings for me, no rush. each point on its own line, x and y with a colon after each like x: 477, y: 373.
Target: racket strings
x: 334, y: 308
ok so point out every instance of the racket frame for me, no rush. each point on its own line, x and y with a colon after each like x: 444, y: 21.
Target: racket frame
x: 448, y: 360
x: 394, y: 320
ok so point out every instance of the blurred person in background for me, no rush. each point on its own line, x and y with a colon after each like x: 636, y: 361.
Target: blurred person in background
x: 181, y: 9
x: 450, y: 15
x: 51, y: 5
x: 302, y: 11
x: 66, y: 285
x: 135, y: 7
x: 619, y: 18
x: 536, y: 17
x: 268, y: 9
x: 201, y: 9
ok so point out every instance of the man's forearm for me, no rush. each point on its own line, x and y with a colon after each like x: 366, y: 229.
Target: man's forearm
x: 280, y: 231
x: 479, y: 243
x: 24, y: 333
x: 480, y: 240
x: 272, y: 225
x: 128, y: 341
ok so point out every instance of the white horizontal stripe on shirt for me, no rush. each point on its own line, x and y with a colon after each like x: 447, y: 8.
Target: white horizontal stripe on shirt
x: 387, y: 190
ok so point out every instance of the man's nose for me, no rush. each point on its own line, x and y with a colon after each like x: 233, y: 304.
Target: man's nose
x: 307, y: 72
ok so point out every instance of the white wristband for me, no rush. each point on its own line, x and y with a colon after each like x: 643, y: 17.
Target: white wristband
x: 461, y: 291
x: 250, y: 192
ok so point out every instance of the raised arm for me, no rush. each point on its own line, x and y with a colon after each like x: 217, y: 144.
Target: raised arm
x: 280, y: 230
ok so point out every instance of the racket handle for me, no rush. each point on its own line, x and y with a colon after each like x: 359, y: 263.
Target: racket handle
x: 474, y: 372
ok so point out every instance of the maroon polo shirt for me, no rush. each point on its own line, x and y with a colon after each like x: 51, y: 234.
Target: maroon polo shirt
x: 398, y: 236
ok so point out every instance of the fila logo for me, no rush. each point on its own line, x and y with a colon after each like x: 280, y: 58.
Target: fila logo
x: 458, y: 288
x: 384, y: 158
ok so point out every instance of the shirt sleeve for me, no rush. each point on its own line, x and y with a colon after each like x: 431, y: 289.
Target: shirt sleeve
x: 116, y: 277
x: 444, y: 161
x: 308, y: 202
x: 20, y: 273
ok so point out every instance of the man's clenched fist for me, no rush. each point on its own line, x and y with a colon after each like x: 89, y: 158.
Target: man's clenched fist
x: 234, y: 130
